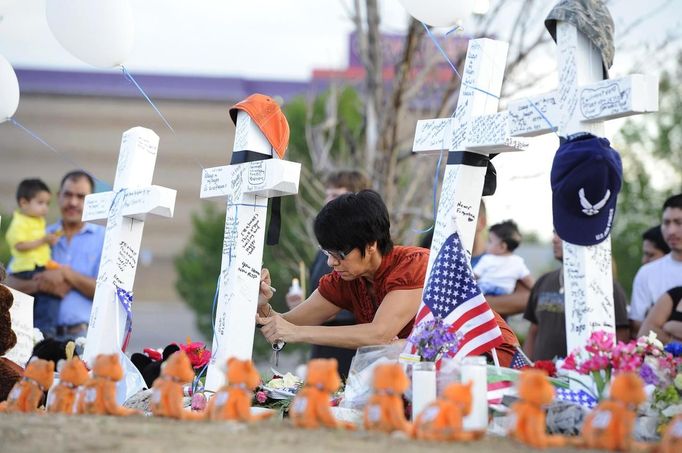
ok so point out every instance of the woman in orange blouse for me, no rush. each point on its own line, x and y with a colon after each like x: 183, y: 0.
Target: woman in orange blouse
x: 381, y: 284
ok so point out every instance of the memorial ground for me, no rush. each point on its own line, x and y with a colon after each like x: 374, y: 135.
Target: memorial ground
x: 57, y: 433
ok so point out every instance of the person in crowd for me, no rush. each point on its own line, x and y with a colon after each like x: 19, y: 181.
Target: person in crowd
x: 336, y: 184
x: 655, y: 278
x: 653, y: 245
x: 29, y: 244
x: 504, y: 304
x: 665, y: 317
x: 499, y: 269
x: 380, y: 283
x: 78, y: 251
x: 546, y: 337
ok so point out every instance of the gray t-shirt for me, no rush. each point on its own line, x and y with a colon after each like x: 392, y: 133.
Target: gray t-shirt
x: 546, y: 309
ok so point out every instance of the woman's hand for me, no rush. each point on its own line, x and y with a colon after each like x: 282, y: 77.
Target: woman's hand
x: 265, y: 293
x: 275, y: 328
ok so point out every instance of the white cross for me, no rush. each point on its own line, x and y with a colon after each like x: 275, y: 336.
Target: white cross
x: 247, y: 187
x: 475, y: 130
x: 125, y: 209
x: 582, y: 103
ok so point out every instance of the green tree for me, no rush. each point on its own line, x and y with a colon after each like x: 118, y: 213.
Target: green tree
x: 651, y: 149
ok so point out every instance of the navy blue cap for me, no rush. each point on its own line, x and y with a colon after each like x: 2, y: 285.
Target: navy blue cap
x: 586, y: 177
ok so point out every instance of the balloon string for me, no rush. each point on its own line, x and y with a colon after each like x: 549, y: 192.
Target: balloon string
x: 130, y: 77
x: 54, y: 150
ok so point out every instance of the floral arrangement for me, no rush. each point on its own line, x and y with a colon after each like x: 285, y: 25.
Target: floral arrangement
x: 659, y: 367
x: 433, y: 340
x: 278, y: 392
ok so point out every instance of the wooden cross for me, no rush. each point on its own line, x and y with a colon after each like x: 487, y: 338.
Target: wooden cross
x: 247, y: 187
x: 125, y: 209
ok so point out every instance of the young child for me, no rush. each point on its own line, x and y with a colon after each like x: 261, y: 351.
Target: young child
x: 498, y: 270
x: 30, y: 248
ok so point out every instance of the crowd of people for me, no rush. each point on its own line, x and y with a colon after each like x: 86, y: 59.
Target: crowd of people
x: 364, y: 289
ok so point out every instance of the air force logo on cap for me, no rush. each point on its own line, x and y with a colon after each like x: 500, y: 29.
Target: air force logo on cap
x: 586, y: 178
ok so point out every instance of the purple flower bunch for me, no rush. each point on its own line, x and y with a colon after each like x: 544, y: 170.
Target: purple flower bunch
x: 433, y: 340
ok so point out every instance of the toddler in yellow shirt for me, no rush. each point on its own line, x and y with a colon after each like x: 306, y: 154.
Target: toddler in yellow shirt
x: 30, y: 248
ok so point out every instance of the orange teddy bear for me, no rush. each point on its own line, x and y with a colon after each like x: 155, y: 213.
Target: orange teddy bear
x: 72, y: 375
x: 27, y: 394
x: 442, y: 419
x: 529, y: 425
x: 385, y: 410
x: 310, y: 408
x: 98, y: 395
x: 233, y: 401
x: 609, y: 425
x: 167, y: 392
x: 672, y: 438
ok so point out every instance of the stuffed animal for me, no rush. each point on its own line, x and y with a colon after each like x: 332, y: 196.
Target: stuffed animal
x: 149, y: 363
x: 98, y: 395
x: 529, y: 416
x: 27, y: 394
x: 442, y: 419
x: 672, y: 437
x: 167, y: 392
x: 233, y: 401
x: 10, y: 372
x: 310, y: 407
x: 385, y: 410
x: 72, y: 375
x: 609, y: 425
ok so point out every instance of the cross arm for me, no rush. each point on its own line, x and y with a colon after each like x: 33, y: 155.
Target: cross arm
x: 265, y: 178
x: 600, y: 101
x: 137, y: 203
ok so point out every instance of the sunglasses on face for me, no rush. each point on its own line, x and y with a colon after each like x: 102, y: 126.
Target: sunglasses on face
x: 337, y: 255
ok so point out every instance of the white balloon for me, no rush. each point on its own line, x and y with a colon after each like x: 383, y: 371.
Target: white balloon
x: 9, y: 90
x: 99, y: 32
x: 439, y: 13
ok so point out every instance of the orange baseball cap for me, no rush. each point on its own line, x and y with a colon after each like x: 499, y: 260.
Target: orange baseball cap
x: 269, y: 119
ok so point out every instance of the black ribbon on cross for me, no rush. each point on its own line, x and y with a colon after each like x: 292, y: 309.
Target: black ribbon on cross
x: 272, y: 237
x: 477, y: 160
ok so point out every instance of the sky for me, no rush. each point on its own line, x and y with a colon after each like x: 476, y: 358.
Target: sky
x: 287, y: 39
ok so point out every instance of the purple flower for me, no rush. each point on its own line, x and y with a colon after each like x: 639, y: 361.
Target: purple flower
x: 198, y: 402
x: 433, y: 340
x: 648, y: 374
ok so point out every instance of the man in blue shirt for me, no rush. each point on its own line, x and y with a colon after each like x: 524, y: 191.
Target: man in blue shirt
x: 78, y: 252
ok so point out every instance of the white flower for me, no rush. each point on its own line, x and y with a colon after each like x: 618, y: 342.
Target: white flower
x: 672, y: 410
x: 37, y: 336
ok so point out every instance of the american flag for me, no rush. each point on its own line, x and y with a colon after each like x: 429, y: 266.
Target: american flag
x: 125, y: 298
x: 519, y: 360
x: 453, y: 295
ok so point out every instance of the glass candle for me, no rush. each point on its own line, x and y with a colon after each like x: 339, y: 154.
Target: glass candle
x: 423, y: 386
x: 474, y: 370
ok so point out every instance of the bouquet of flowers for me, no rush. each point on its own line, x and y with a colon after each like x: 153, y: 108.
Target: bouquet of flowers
x: 658, y: 366
x: 433, y: 340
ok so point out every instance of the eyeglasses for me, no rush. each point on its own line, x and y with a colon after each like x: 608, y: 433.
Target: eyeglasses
x: 339, y: 256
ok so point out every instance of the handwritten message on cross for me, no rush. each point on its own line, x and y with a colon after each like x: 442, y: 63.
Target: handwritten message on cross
x: 247, y: 187
x: 475, y: 130
x: 125, y: 209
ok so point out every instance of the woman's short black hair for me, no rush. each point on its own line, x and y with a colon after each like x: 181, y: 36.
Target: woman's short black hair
x: 354, y: 220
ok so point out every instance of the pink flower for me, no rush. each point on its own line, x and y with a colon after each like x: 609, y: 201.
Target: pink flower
x: 198, y: 402
x: 261, y: 397
x: 600, y: 341
x: 198, y: 355
x: 570, y: 363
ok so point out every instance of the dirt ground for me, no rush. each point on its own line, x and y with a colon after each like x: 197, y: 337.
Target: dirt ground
x: 56, y: 433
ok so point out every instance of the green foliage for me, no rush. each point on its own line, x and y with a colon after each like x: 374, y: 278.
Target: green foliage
x: 4, y: 248
x: 651, y: 149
